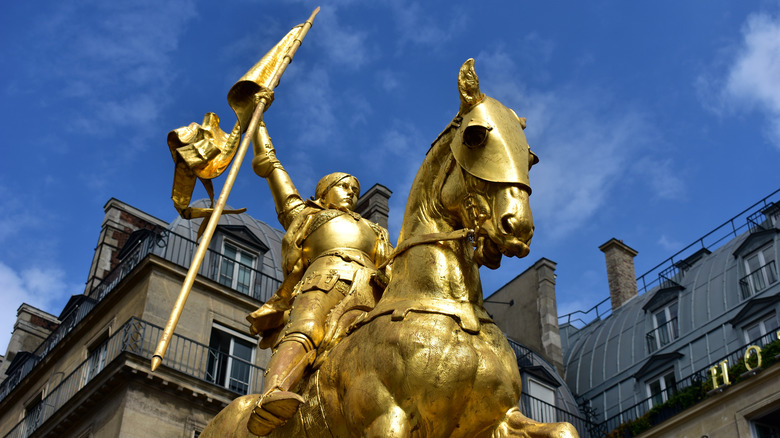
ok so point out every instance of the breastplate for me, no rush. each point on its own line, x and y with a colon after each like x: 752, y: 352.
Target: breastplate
x: 340, y: 232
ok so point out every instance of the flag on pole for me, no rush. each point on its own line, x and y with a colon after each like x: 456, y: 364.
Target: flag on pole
x: 203, y: 151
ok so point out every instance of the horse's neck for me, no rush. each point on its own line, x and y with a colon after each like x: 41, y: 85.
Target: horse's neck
x: 444, y: 270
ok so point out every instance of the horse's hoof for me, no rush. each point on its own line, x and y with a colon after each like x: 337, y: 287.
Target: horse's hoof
x: 272, y: 411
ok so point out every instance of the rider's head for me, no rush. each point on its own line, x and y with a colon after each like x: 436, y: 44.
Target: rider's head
x: 338, y: 191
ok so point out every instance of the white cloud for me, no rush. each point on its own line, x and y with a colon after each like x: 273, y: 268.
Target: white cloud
x: 751, y: 81
x: 16, y: 215
x: 418, y: 27
x: 660, y: 174
x: 586, y: 143
x: 669, y: 244
x: 343, y: 44
x: 113, y: 57
x: 317, y: 118
x: 388, y: 80
x: 405, y: 147
x: 40, y: 287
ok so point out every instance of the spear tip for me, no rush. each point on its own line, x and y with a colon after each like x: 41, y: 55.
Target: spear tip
x: 156, y: 360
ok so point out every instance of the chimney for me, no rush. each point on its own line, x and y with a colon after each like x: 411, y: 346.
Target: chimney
x: 620, y: 271
x: 374, y: 205
x: 119, y: 222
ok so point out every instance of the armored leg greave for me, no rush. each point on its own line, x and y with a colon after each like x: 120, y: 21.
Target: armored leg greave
x: 284, y: 372
x: 288, y: 363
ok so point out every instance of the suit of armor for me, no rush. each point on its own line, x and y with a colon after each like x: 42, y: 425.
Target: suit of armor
x: 329, y: 253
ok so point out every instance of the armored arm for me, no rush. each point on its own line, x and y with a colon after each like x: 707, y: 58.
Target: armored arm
x: 286, y: 197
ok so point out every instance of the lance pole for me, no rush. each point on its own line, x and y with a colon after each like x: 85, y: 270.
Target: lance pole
x: 197, y: 260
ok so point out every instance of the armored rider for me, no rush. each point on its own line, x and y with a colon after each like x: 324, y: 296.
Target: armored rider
x: 329, y: 252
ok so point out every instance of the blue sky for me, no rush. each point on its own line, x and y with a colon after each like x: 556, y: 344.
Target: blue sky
x: 654, y: 121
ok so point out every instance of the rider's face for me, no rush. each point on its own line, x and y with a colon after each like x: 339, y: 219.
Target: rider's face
x: 342, y: 196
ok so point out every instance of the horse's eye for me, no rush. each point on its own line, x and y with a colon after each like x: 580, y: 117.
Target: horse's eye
x: 475, y: 136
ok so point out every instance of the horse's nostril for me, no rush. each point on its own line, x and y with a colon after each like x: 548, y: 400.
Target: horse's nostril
x: 508, y: 224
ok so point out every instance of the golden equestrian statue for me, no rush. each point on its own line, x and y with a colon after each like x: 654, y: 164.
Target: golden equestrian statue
x: 426, y: 359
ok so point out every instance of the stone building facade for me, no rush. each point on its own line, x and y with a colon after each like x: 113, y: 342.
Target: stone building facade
x: 642, y: 360
x: 86, y: 372
x: 89, y: 375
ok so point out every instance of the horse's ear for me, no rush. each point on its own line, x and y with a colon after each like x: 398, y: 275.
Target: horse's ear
x: 468, y: 85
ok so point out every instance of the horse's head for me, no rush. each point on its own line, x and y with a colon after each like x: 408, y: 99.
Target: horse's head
x: 490, y: 147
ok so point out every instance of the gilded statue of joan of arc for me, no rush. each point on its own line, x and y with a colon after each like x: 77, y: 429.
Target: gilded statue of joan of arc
x: 329, y: 253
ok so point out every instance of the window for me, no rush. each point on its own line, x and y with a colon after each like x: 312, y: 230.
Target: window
x: 33, y: 414
x: 237, y: 268
x: 765, y: 324
x: 96, y: 359
x: 767, y: 426
x: 87, y: 433
x: 231, y: 358
x: 665, y: 327
x: 761, y: 271
x: 542, y: 409
x: 659, y: 390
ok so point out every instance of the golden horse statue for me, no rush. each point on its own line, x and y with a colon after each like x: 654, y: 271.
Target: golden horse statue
x: 428, y: 361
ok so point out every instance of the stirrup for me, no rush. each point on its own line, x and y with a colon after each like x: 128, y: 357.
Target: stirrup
x: 273, y: 410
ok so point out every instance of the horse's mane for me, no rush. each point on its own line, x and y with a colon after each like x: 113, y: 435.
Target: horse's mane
x: 426, y: 189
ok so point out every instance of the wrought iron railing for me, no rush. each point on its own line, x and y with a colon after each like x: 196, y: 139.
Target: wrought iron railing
x: 697, y: 378
x: 525, y: 357
x: 167, y: 245
x: 67, y: 324
x: 540, y: 410
x: 758, y: 280
x: 140, y: 338
x: 758, y: 220
x: 661, y: 272
x: 179, y: 250
x: 670, y: 277
x: 662, y: 336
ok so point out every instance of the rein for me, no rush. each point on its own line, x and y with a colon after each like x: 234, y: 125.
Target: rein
x: 427, y: 238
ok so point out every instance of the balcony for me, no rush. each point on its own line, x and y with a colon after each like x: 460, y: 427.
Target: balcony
x: 751, y: 219
x: 140, y: 338
x: 540, y: 410
x: 648, y: 413
x: 179, y: 250
x: 758, y: 280
x: 168, y: 246
x: 662, y: 336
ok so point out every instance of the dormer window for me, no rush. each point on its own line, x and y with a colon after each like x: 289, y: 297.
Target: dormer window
x: 661, y: 388
x: 761, y: 271
x: 237, y: 268
x: 665, y: 327
x: 761, y: 327
x: 236, y: 260
x: 543, y: 402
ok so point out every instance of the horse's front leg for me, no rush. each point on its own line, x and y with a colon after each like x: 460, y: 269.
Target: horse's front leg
x: 231, y: 421
x: 393, y: 423
x: 373, y: 409
x: 517, y: 425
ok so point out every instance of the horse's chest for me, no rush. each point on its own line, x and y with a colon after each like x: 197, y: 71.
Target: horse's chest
x: 430, y: 349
